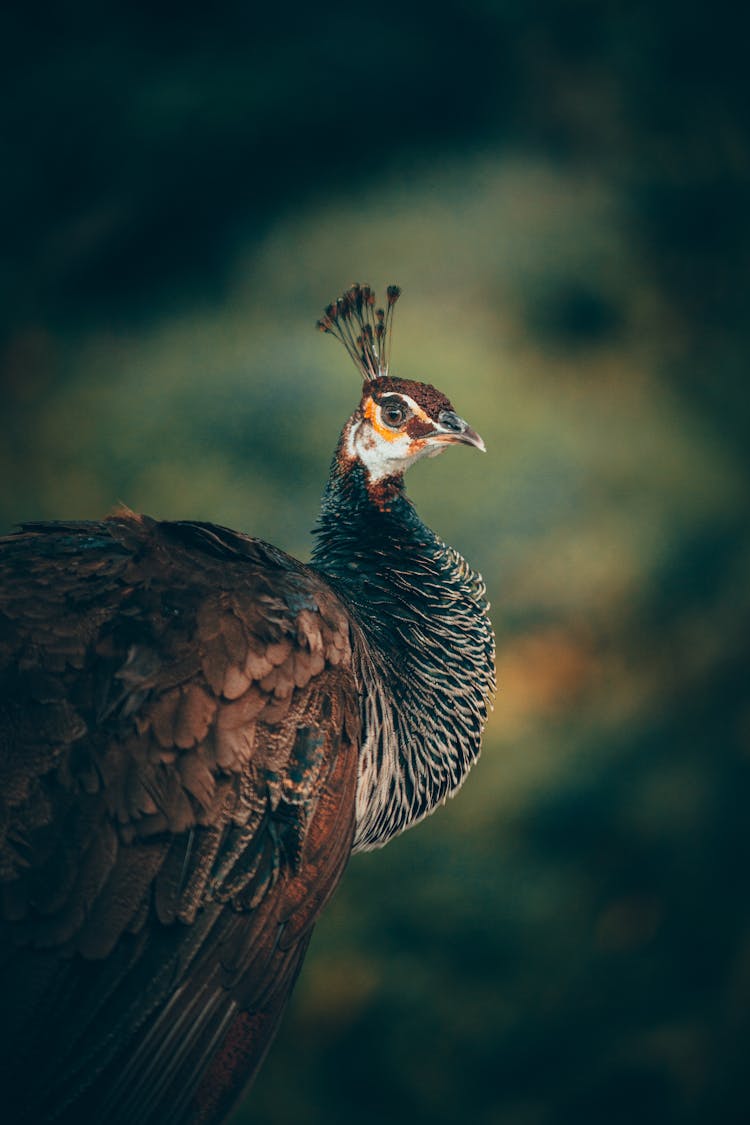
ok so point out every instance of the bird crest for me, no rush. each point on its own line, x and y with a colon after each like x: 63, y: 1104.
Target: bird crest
x: 364, y: 330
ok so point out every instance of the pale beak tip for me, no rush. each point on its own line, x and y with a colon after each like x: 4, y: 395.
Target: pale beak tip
x: 471, y: 437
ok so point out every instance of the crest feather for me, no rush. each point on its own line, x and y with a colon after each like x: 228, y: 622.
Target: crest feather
x: 364, y: 330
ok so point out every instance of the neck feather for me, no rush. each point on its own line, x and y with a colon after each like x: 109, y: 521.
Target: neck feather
x: 425, y: 650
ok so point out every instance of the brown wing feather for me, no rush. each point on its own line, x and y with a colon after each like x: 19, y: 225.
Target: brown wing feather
x: 178, y: 758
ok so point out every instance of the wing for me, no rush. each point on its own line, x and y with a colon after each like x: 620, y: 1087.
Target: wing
x: 178, y: 759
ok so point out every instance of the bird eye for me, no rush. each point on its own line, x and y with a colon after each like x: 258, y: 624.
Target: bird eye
x: 393, y: 414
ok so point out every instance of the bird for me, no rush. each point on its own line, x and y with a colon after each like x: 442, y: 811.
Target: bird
x: 197, y: 731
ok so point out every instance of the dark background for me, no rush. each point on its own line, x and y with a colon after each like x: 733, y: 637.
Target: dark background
x: 561, y: 189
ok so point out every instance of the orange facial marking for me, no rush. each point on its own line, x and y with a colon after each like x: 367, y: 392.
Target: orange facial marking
x: 371, y: 414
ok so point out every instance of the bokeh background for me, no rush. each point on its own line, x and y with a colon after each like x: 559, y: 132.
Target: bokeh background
x: 561, y: 190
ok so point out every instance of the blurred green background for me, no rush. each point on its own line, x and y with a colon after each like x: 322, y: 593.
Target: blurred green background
x: 561, y: 190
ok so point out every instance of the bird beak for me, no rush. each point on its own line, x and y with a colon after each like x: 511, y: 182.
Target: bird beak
x: 451, y: 429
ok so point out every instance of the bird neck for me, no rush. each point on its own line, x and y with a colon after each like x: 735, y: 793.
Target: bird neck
x: 362, y: 525
x: 423, y: 645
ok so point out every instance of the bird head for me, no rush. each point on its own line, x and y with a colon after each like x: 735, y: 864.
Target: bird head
x: 398, y: 421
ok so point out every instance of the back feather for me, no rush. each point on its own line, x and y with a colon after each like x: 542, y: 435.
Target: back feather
x: 179, y: 730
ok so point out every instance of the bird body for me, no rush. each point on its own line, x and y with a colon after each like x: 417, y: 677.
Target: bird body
x: 196, y: 731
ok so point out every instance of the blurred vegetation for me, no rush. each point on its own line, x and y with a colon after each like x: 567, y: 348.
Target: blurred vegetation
x: 561, y: 189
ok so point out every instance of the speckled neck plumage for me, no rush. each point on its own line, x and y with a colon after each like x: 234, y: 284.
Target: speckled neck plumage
x: 426, y: 651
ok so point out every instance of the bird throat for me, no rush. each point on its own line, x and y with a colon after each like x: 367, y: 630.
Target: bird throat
x: 423, y: 645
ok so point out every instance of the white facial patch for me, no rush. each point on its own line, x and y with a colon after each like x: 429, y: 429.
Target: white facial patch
x: 415, y: 408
